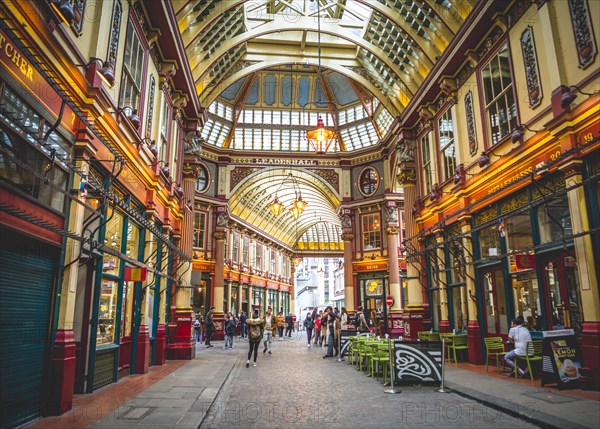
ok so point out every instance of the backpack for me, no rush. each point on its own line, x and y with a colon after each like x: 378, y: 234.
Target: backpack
x: 356, y: 320
x: 254, y: 332
x: 196, y: 323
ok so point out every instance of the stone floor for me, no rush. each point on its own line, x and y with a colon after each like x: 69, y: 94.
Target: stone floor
x: 295, y: 388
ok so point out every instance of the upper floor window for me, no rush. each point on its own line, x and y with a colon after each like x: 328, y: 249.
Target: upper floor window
x: 165, y: 125
x: 272, y: 262
x: 235, y: 245
x: 259, y: 256
x: 446, y: 137
x: 499, y: 98
x: 202, y: 181
x: 368, y: 181
x: 245, y: 250
x: 199, y: 229
x: 371, y: 233
x: 133, y: 67
x: 427, y: 162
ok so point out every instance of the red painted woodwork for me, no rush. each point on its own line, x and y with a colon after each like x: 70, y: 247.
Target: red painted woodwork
x: 396, y: 328
x: 125, y: 353
x: 413, y: 323
x: 60, y: 399
x: 444, y: 326
x: 143, y: 350
x: 476, y: 353
x: 160, y: 345
x: 590, y: 350
x: 181, y: 344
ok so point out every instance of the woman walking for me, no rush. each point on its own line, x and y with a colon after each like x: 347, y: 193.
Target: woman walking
x: 308, y: 325
x: 344, y: 319
x: 256, y: 326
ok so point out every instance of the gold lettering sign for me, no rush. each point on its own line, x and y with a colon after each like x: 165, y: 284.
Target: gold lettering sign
x: 10, y: 52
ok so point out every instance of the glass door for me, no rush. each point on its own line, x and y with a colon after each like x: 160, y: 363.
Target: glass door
x: 495, y: 310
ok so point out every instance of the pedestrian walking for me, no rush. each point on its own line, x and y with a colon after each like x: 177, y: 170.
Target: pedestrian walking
x: 256, y: 326
x: 280, y: 323
x: 308, y: 325
x: 344, y: 319
x: 317, y: 328
x: 198, y: 329
x: 289, y: 325
x: 243, y: 326
x: 269, y: 331
x: 230, y: 324
x: 210, y: 327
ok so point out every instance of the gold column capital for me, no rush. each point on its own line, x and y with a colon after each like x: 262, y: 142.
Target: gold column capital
x: 347, y: 236
x: 219, y: 235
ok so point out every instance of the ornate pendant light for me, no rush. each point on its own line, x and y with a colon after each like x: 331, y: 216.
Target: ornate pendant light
x: 276, y: 207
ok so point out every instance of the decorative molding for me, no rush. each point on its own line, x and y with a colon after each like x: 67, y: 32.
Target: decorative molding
x: 347, y: 236
x: 489, y: 42
x: 152, y: 92
x: 191, y: 170
x: 392, y: 230
x: 219, y: 235
x: 330, y: 176
x: 485, y: 216
x: 407, y: 175
x: 583, y: 32
x: 471, y: 134
x: 240, y: 173
x: 113, y: 44
x: 405, y: 150
x: 514, y: 203
x: 532, y: 73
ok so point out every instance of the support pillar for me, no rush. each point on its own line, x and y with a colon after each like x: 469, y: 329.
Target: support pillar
x: 443, y: 290
x: 476, y: 353
x: 142, y: 355
x: 181, y: 343
x: 587, y: 270
x: 414, y: 312
x: 348, y: 279
x: 219, y: 284
x: 394, y: 328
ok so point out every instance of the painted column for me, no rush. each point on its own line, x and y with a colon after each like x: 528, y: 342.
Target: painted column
x: 474, y: 330
x: 442, y: 279
x: 395, y: 328
x: 413, y: 313
x: 219, y: 283
x: 181, y: 345
x: 63, y: 359
x: 348, y: 279
x: 587, y: 269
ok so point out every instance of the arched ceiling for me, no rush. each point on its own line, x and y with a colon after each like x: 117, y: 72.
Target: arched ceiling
x: 387, y: 45
x: 249, y: 201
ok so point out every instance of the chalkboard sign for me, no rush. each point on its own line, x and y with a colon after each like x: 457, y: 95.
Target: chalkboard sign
x: 561, y: 361
x: 417, y: 362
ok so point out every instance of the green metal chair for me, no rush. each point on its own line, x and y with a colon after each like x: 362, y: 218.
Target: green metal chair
x: 448, y: 341
x: 459, y: 342
x: 494, y: 348
x: 434, y: 336
x: 381, y: 357
x: 423, y: 335
x: 534, y: 354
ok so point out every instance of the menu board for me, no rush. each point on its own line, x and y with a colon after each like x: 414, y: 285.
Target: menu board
x: 561, y: 360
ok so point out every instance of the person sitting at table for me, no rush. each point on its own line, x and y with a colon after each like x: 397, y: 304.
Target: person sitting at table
x: 519, y: 335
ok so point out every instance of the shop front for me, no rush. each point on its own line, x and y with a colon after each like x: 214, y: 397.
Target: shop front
x: 372, y: 292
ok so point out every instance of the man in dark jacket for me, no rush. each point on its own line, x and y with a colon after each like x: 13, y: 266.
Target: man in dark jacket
x: 289, y: 325
x: 210, y: 327
x: 243, y: 326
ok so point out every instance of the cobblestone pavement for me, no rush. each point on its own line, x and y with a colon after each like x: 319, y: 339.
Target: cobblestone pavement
x: 292, y: 388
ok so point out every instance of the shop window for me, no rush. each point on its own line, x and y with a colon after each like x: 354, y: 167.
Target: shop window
x: 371, y: 231
x: 199, y: 229
x: 133, y: 241
x: 202, y: 181
x: 428, y: 164
x: 499, y: 98
x: 374, y: 287
x: 447, y: 144
x: 31, y: 172
x: 555, y: 221
x: 126, y: 309
x: 107, y: 309
x: 133, y: 68
x: 368, y: 181
x: 489, y: 242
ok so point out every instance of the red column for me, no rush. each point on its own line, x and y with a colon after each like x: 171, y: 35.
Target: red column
x: 63, y: 373
x: 590, y: 337
x: 143, y: 350
x: 160, y: 344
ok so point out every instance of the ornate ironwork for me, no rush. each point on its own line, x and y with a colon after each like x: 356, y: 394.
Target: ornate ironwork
x: 583, y: 31
x: 532, y: 73
x: 485, y: 216
x: 514, y: 203
x: 115, y: 31
x: 330, y: 177
x: 240, y: 173
x: 470, y: 123
x: 150, y: 106
x: 549, y: 187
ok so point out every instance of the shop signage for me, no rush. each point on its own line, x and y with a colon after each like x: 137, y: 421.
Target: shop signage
x: 525, y: 262
x: 561, y: 360
x: 135, y: 274
x: 588, y: 134
x: 201, y: 266
x: 373, y: 266
x: 16, y: 63
x: 417, y: 362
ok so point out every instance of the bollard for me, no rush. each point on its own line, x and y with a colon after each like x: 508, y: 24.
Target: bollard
x: 441, y: 389
x: 392, y: 389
